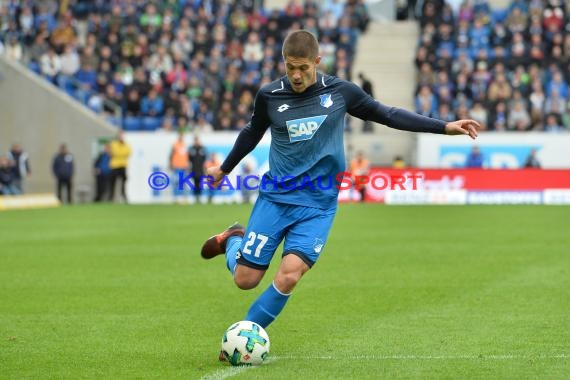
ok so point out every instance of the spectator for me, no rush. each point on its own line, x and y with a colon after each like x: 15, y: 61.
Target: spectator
x: 13, y: 50
x: 499, y: 117
x: 366, y: 86
x: 132, y: 106
x: 398, y: 162
x: 426, y: 102
x: 359, y: 166
x: 479, y: 114
x: 213, y: 161
x: 475, y: 158
x: 103, y: 173
x: 202, y: 125
x: 197, y: 158
x: 555, y: 103
x: 537, y: 99
x: 70, y: 65
x: 63, y: 34
x: 559, y: 84
x: 444, y: 113
x: 152, y: 105
x: 531, y: 161
x: 552, y: 124
x: 518, y: 118
x: 499, y: 89
x: 87, y: 79
x: 120, y: 153
x: 50, y: 65
x: 7, y: 186
x: 167, y: 125
x: 62, y: 168
x: 179, y: 163
x: 20, y: 167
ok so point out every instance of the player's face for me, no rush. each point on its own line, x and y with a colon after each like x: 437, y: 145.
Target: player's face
x: 302, y: 72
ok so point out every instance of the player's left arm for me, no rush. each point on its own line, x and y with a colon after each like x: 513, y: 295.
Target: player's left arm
x: 365, y: 107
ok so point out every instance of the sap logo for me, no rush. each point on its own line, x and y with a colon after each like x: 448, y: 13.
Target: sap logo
x: 304, y: 129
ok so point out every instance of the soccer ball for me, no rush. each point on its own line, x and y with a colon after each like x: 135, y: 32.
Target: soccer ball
x: 245, y: 343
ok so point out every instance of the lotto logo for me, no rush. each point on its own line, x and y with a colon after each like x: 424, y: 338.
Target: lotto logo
x: 304, y: 129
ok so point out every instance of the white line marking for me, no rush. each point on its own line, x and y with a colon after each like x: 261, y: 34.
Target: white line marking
x: 227, y: 372
x: 232, y: 371
x: 428, y: 357
x: 224, y: 373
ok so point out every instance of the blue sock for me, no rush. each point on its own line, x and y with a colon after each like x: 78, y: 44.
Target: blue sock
x: 232, y: 245
x: 267, y: 306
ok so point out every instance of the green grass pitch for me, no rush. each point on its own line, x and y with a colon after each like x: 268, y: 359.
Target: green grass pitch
x: 114, y: 291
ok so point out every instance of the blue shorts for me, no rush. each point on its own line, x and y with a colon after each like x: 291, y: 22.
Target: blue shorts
x: 305, y: 230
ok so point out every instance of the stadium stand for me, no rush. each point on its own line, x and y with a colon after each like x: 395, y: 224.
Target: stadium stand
x: 507, y: 68
x: 145, y: 64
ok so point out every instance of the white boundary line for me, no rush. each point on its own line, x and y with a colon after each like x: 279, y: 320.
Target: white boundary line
x: 429, y: 357
x: 224, y: 373
x: 232, y: 371
x: 227, y: 372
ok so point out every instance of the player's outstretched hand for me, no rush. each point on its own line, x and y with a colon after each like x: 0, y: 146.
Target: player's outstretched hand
x: 217, y: 173
x: 463, y: 127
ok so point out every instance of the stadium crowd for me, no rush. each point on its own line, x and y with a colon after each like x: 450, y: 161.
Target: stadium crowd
x: 174, y: 64
x: 508, y: 68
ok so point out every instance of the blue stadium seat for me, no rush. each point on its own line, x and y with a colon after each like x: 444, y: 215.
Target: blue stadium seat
x: 151, y: 123
x: 132, y: 123
x: 35, y: 67
x: 114, y: 120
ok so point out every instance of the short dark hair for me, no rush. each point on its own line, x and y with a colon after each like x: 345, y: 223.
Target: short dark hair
x: 302, y: 44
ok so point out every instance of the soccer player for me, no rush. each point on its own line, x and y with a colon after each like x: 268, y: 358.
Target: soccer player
x: 305, y: 111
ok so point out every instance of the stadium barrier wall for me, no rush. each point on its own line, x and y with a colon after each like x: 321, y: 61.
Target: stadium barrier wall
x: 467, y: 186
x: 37, y: 115
x: 151, y: 153
x: 500, y: 150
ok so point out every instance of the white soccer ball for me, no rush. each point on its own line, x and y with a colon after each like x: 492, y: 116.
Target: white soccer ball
x: 245, y: 343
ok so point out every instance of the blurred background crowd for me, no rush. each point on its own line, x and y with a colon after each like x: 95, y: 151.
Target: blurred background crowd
x: 173, y: 64
x: 507, y: 68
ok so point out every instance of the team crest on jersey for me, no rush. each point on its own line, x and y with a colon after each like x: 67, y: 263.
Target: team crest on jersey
x: 304, y: 129
x: 326, y: 100
x: 318, y: 246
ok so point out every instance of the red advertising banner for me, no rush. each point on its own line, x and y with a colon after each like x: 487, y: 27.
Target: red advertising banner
x: 383, y: 180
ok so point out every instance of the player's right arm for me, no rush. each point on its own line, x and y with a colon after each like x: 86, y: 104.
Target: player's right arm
x: 246, y: 141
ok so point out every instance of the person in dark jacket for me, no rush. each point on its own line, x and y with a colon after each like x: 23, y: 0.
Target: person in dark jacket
x: 103, y: 173
x: 197, y: 156
x: 63, y: 172
x: 7, y: 178
x: 20, y: 166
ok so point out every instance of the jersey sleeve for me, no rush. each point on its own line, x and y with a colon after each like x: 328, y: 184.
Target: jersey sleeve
x: 250, y: 136
x: 365, y: 107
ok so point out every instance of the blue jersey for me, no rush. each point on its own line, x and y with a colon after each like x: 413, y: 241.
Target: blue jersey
x: 307, y: 148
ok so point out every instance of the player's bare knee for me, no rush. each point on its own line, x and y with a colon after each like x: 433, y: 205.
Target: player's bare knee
x: 285, y: 282
x: 245, y: 283
x: 247, y: 278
